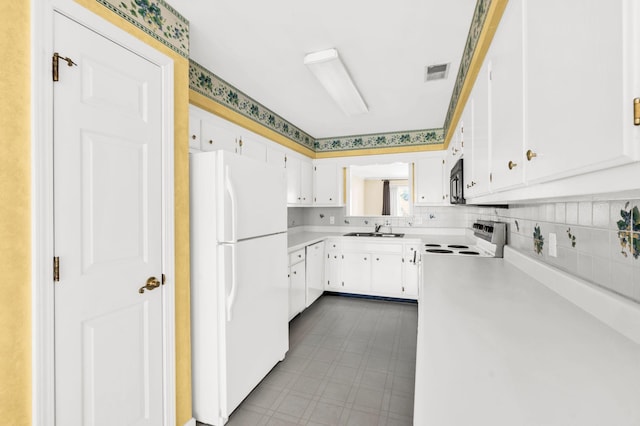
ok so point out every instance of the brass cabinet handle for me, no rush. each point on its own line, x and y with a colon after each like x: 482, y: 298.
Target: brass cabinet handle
x: 530, y: 155
x: 152, y: 283
x: 512, y: 165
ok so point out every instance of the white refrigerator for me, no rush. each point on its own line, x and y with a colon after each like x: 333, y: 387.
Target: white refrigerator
x: 239, y: 286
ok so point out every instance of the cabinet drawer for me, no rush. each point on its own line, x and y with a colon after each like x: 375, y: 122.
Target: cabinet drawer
x: 296, y: 256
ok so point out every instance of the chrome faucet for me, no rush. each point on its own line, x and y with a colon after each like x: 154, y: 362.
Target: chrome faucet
x: 386, y: 223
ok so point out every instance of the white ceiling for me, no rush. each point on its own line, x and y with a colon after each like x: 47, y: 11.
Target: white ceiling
x: 258, y: 46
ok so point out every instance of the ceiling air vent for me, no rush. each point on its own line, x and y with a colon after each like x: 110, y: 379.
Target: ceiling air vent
x: 436, y: 72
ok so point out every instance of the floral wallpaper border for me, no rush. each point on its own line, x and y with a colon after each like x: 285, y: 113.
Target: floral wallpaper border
x: 477, y: 23
x: 381, y: 140
x: 213, y: 87
x: 156, y: 18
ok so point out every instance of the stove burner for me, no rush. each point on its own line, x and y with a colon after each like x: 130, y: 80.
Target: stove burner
x: 457, y: 246
x: 474, y: 253
x: 432, y: 245
x: 439, y: 251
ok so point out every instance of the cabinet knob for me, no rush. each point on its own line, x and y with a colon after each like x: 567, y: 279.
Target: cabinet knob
x: 295, y: 272
x: 530, y: 155
x: 330, y: 199
x: 411, y: 248
x: 377, y: 258
x: 512, y: 165
x: 299, y: 255
x: 365, y: 258
x: 210, y: 142
x: 422, y: 197
x: 193, y: 137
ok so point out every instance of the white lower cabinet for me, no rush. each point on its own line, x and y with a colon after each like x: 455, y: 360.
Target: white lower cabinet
x: 297, y: 282
x: 356, y: 272
x: 411, y: 272
x: 372, y: 268
x: 314, y: 272
x: 386, y: 273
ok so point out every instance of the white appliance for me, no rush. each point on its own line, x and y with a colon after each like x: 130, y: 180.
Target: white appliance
x: 489, y: 239
x: 239, y: 286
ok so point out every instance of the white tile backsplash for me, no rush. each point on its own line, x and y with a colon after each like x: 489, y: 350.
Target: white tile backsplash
x: 585, y: 213
x: 601, y: 215
x: 560, y: 213
x: 572, y: 213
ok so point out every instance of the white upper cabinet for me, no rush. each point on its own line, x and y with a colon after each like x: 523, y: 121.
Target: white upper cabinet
x: 306, y: 182
x: 215, y: 136
x: 327, y: 189
x: 476, y: 138
x: 506, y: 91
x: 293, y: 180
x: 276, y: 157
x: 430, y: 181
x: 562, y: 79
x: 250, y: 147
x: 194, y: 132
x: 299, y: 181
x: 581, y: 73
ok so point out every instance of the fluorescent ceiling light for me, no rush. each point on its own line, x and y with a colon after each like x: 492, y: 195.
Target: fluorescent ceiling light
x: 330, y: 71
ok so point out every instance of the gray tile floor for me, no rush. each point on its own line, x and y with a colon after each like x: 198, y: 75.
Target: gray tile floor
x: 351, y: 362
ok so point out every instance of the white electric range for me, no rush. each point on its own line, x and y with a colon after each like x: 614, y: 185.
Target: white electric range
x: 488, y: 240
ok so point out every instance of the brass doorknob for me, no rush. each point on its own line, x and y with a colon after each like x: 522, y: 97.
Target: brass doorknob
x: 530, y: 155
x: 152, y: 283
x: 512, y: 165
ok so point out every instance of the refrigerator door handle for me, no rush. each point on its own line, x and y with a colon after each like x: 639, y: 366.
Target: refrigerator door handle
x: 234, y: 285
x: 234, y: 210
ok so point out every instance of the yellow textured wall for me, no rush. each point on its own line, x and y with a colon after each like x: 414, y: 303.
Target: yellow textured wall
x: 15, y: 216
x: 181, y: 153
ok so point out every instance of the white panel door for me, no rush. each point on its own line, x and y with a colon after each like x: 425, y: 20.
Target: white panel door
x: 108, y: 235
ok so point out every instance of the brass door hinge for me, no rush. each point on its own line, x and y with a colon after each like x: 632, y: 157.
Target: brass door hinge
x: 636, y: 111
x: 54, y: 64
x: 56, y: 269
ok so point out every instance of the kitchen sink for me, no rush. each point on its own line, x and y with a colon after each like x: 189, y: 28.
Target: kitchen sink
x: 374, y: 234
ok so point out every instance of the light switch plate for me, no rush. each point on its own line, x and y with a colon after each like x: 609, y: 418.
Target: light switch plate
x: 553, y: 245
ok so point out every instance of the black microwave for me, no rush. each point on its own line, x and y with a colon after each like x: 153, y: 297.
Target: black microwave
x: 456, y: 184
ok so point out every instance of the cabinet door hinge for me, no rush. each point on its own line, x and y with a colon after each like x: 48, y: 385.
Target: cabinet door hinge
x: 636, y: 111
x: 56, y: 269
x: 55, y: 59
x: 164, y: 279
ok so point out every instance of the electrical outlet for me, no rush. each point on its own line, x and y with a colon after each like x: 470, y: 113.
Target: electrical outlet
x: 332, y: 220
x: 553, y: 245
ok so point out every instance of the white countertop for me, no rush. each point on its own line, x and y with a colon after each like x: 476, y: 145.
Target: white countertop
x: 300, y: 237
x: 496, y: 347
x: 298, y: 240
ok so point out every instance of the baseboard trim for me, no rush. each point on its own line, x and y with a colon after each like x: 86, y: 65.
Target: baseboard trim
x: 190, y: 422
x: 617, y: 312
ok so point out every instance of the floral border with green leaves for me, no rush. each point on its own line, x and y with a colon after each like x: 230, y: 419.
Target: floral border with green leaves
x: 156, y: 18
x: 381, y: 140
x: 477, y: 22
x: 629, y: 231
x: 538, y: 239
x: 213, y: 87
